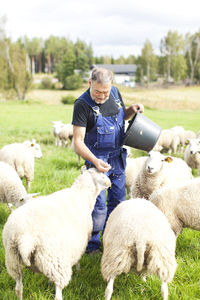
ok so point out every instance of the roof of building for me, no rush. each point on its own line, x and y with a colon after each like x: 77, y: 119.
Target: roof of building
x: 118, y: 68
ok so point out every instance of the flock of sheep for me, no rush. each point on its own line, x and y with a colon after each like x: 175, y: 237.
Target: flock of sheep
x: 141, y: 232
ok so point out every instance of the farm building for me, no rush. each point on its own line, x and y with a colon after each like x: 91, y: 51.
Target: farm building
x: 123, y: 73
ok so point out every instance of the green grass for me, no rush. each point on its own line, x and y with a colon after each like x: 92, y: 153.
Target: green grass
x: 58, y: 169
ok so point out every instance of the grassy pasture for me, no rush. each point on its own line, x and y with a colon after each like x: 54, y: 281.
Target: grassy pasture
x: 58, y: 169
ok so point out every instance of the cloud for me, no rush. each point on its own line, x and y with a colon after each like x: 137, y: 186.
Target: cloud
x: 112, y: 27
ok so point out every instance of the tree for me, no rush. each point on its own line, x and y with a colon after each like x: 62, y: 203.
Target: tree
x: 171, y: 46
x: 34, y: 48
x: 15, y: 76
x: 148, y: 62
x: 65, y: 67
x: 192, y: 47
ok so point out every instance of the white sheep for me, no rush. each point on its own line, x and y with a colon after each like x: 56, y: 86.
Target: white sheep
x: 133, y: 166
x: 180, y: 204
x: 21, y: 157
x: 138, y: 237
x: 168, y: 141
x: 192, y: 154
x: 51, y: 233
x: 184, y: 136
x: 56, y: 129
x: 157, y: 171
x: 12, y: 190
x: 62, y: 132
x: 198, y: 134
x: 66, y: 132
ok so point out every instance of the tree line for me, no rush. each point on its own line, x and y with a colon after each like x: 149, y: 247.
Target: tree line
x: 179, y: 60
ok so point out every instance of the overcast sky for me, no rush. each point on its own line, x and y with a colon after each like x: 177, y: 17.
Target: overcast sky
x: 112, y: 27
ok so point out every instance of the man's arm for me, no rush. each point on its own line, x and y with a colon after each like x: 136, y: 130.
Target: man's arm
x: 131, y: 110
x: 84, y: 151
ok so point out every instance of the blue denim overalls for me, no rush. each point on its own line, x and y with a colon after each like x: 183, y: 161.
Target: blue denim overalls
x: 105, y: 141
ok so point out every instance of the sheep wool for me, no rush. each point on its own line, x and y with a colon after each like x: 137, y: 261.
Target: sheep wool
x: 180, y: 204
x: 51, y: 233
x: 192, y: 154
x: 11, y: 188
x: 158, y: 171
x: 133, y: 166
x: 138, y: 237
x: 21, y: 157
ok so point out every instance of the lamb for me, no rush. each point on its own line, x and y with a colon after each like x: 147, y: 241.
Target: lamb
x: 133, y: 166
x: 180, y: 204
x: 138, y: 237
x: 192, y: 154
x: 51, y: 233
x: 159, y: 170
x: 21, y: 157
x: 12, y: 191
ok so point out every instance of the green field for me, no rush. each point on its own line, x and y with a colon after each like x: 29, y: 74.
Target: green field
x: 58, y: 169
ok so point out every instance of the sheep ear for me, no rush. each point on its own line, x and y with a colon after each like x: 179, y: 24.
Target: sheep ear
x: 169, y: 159
x: 187, y: 142
x: 34, y: 195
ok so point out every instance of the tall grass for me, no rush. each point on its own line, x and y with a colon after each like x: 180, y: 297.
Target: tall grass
x: 58, y: 169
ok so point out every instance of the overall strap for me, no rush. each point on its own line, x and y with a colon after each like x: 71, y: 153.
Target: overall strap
x: 114, y: 93
x: 87, y: 98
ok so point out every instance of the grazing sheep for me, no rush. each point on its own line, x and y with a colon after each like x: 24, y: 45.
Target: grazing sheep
x: 180, y: 204
x: 168, y: 141
x: 184, y: 136
x: 62, y: 132
x: 159, y: 170
x: 198, y: 134
x: 66, y: 132
x: 56, y: 129
x: 12, y: 191
x: 21, y: 157
x: 51, y: 233
x: 192, y: 154
x: 133, y: 166
x: 138, y: 237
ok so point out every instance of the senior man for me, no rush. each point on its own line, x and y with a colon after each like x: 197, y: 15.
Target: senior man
x: 98, y: 122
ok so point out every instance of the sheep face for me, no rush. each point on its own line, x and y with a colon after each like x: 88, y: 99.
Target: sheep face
x: 36, y: 150
x: 57, y: 125
x: 155, y: 161
x: 99, y: 178
x: 194, y: 146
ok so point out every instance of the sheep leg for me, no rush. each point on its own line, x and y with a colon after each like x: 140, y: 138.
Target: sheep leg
x: 28, y: 183
x: 109, y: 289
x: 164, y: 289
x: 58, y: 295
x: 19, y: 287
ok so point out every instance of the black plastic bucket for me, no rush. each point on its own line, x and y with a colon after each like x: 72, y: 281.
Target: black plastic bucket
x: 142, y: 133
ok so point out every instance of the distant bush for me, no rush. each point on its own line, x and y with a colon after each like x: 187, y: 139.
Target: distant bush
x: 46, y: 83
x: 69, y: 99
x: 73, y: 82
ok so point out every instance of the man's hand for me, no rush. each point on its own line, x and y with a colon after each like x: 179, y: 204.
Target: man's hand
x: 101, y: 165
x: 134, y: 108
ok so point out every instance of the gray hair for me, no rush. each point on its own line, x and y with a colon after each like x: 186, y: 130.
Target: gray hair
x: 102, y: 75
